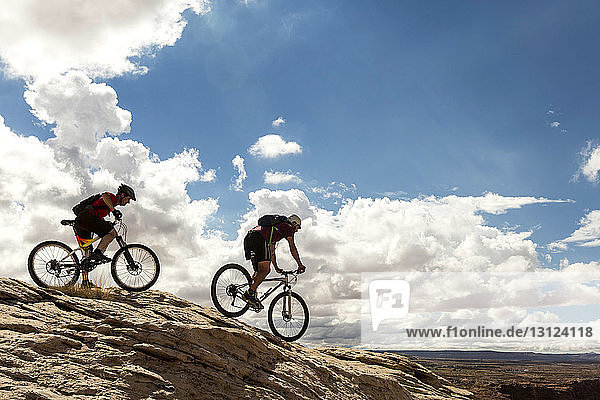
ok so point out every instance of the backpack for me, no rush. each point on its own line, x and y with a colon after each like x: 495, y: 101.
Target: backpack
x: 86, y: 204
x: 270, y: 220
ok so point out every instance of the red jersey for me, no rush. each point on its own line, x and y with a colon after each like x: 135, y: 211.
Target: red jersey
x: 100, y: 209
x: 281, y: 230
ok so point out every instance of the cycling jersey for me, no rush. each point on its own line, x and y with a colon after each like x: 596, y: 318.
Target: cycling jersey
x: 99, y: 207
x: 279, y: 231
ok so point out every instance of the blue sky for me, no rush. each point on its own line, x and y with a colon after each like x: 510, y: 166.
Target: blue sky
x: 387, y: 99
x: 417, y: 98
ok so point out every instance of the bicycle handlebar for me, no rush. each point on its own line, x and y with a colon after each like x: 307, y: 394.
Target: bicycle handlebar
x: 290, y: 272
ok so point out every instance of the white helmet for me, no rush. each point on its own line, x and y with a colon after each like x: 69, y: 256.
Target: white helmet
x: 294, y: 219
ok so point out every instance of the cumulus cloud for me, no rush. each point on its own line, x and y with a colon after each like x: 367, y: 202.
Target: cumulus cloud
x: 208, y: 176
x: 83, y: 112
x: 278, y: 178
x: 337, y: 190
x: 587, y: 235
x: 278, y: 122
x: 49, y: 37
x: 238, y: 164
x: 590, y: 163
x: 34, y: 188
x: 38, y: 193
x: 273, y: 146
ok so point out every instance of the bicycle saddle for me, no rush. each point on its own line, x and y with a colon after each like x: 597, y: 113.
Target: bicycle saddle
x: 67, y: 222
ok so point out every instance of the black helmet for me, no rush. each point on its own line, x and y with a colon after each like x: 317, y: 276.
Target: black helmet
x: 126, y: 190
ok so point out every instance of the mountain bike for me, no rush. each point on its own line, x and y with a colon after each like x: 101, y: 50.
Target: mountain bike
x: 134, y: 267
x: 288, y: 313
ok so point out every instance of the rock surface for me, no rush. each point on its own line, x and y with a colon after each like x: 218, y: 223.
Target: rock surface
x: 154, y: 345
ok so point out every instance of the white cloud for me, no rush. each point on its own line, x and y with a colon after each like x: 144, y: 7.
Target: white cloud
x: 208, y: 176
x: 278, y: 178
x: 587, y: 235
x: 50, y: 37
x: 338, y: 190
x: 497, y: 204
x: 425, y: 233
x: 34, y: 188
x: 591, y: 163
x: 39, y: 187
x: 278, y: 122
x: 238, y: 164
x: 555, y: 124
x: 273, y: 146
x: 84, y: 112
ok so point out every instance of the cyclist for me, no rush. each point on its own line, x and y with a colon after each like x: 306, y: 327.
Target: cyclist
x: 90, y: 218
x: 259, y: 246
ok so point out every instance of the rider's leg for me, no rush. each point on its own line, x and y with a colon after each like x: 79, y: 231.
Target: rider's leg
x: 92, y: 223
x: 106, y: 239
x: 261, y: 274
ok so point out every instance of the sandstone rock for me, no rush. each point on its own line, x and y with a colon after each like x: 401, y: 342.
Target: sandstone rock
x: 153, y: 345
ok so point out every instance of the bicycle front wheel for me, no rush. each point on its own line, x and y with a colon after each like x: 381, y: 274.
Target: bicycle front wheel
x: 288, y: 316
x: 135, y: 267
x: 227, y: 287
x: 53, y: 264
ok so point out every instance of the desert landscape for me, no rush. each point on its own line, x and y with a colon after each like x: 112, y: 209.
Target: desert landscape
x: 517, y: 376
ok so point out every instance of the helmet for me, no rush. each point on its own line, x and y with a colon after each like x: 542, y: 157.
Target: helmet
x: 294, y: 219
x: 126, y: 190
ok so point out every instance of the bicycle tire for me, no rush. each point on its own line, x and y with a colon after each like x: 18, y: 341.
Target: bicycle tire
x: 42, y: 254
x: 146, y: 265
x: 219, y: 294
x: 297, y: 327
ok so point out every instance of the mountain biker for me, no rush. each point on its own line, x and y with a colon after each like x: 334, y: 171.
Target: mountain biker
x: 90, y: 218
x: 259, y: 246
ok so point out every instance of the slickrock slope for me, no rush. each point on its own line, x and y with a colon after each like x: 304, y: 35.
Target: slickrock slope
x: 154, y: 345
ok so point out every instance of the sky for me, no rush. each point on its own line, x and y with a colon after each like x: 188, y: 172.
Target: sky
x: 409, y: 136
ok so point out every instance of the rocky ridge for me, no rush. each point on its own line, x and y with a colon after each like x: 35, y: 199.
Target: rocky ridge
x: 154, y: 345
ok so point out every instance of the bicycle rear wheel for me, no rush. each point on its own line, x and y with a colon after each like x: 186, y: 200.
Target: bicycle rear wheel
x: 227, y: 287
x: 288, y: 316
x: 53, y: 264
x: 135, y: 267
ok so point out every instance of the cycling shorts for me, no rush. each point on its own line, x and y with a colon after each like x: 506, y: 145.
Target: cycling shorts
x: 86, y: 223
x: 255, y: 244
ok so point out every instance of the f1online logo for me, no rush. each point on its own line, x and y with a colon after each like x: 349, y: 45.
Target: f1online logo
x: 389, y: 300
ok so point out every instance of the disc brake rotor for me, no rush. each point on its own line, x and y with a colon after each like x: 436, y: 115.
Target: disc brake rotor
x: 135, y: 269
x: 53, y: 267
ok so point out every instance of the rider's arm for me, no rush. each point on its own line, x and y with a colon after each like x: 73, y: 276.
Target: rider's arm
x: 294, y: 250
x: 108, y: 201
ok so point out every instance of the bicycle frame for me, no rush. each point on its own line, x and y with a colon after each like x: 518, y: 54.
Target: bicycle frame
x: 84, y: 246
x: 283, y: 281
x: 286, y: 281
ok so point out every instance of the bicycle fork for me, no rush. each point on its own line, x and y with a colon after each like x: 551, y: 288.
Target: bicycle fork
x: 128, y: 257
x: 286, y: 313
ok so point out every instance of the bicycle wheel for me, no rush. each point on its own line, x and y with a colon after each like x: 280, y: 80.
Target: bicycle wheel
x: 135, y: 267
x: 227, y: 287
x: 288, y: 316
x: 53, y: 263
